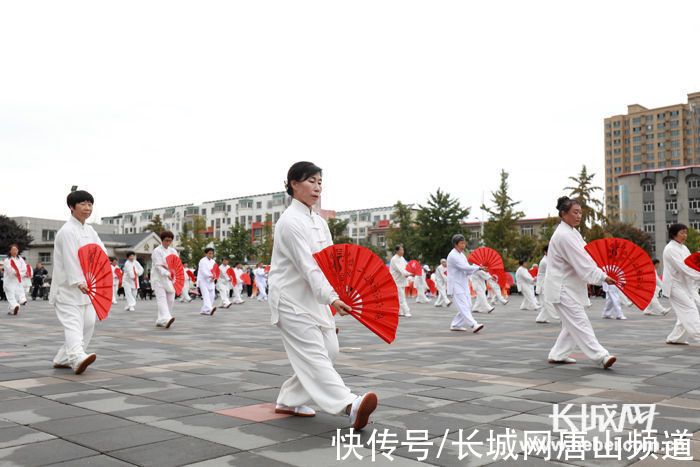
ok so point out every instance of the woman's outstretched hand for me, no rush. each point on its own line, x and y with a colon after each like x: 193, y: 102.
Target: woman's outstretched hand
x: 341, y: 307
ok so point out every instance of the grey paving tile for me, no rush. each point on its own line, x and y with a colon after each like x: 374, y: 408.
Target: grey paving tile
x: 18, y: 435
x: 188, y: 450
x: 197, y: 424
x: 113, y: 439
x: 240, y: 459
x: 154, y: 413
x: 43, y: 453
x: 247, y: 437
x: 86, y: 424
x: 101, y: 460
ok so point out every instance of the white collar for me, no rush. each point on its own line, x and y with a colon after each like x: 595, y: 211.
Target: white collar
x: 301, y: 208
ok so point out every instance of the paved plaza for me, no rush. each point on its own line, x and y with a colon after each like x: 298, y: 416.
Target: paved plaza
x: 203, y: 391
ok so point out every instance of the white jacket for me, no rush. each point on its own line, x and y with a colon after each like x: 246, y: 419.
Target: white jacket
x: 132, y: 270
x: 397, y: 268
x: 523, y: 278
x: 458, y: 271
x: 160, y: 273
x: 570, y: 267
x: 541, y: 275
x: 9, y: 273
x: 677, y: 274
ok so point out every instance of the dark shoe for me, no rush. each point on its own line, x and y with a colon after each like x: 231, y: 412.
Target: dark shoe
x: 14, y: 312
x: 59, y: 365
x: 676, y: 343
x: 212, y: 311
x: 478, y: 328
x: 361, y: 409
x: 82, y: 366
x: 608, y: 361
x: 169, y: 323
x: 567, y: 360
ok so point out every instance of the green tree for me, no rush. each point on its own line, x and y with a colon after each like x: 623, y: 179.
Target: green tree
x: 629, y: 232
x: 11, y: 232
x: 192, y: 240
x: 337, y: 228
x: 584, y: 192
x: 501, y: 231
x: 156, y: 225
x: 436, y: 223
x: 264, y: 248
x: 374, y: 249
x: 237, y: 245
x: 693, y: 240
x: 405, y: 233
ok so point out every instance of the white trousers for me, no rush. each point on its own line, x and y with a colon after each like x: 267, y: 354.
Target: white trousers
x: 115, y: 291
x: 612, y: 306
x: 655, y: 307
x: 420, y: 296
x: 403, y: 306
x: 464, y: 311
x: 576, y: 331
x: 529, y: 300
x: 482, y: 304
x: 311, y: 350
x: 687, y: 318
x: 224, y: 289
x: 237, y: 293
x: 547, y: 312
x: 495, y: 293
x: 208, y: 296
x: 442, y: 295
x: 130, y: 292
x: 185, y: 294
x: 78, y: 324
x: 262, y: 293
x: 15, y: 293
x: 164, y: 302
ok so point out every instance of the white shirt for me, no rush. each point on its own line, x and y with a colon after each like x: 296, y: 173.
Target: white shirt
x: 397, y: 267
x: 570, y: 267
x: 115, y: 277
x: 10, y: 275
x: 440, y: 277
x: 238, y: 272
x: 677, y: 274
x: 459, y: 270
x: 132, y: 270
x: 67, y: 273
x: 541, y: 274
x: 260, y: 276
x: 204, y: 273
x: 479, y: 279
x: 523, y: 278
x: 160, y: 273
x: 295, y: 278
x: 223, y: 277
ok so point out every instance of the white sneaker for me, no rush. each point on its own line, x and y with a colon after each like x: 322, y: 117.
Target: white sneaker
x: 82, y: 363
x: 126, y: 308
x: 361, y: 409
x: 477, y: 327
x: 666, y: 311
x: 301, y: 411
x: 408, y: 314
x: 608, y: 361
x: 458, y: 328
x: 621, y: 317
x: 565, y: 361
x: 131, y: 308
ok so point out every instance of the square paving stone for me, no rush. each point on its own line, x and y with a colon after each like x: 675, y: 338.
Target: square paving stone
x: 154, y: 413
x: 43, y: 453
x: 120, y: 438
x: 96, y: 461
x: 251, y: 436
x: 241, y: 458
x: 86, y: 424
x: 17, y: 435
x: 254, y: 413
x: 173, y: 452
x: 58, y: 412
x: 197, y: 424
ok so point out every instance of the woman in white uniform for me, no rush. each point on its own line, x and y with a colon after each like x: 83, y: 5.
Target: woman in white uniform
x: 679, y: 286
x: 569, y: 269
x: 526, y: 285
x: 299, y: 299
x: 205, y: 282
x: 12, y: 279
x: 655, y: 307
x: 161, y: 280
x: 613, y: 306
x: 478, y: 280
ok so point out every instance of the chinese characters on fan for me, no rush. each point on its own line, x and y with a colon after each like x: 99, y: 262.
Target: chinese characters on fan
x: 603, y: 431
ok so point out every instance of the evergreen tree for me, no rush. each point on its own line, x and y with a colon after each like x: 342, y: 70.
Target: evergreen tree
x: 584, y: 192
x: 156, y: 225
x: 237, y: 246
x: 193, y: 241
x: 629, y: 232
x: 405, y: 234
x: 437, y: 222
x: 11, y: 232
x: 264, y: 248
x: 501, y: 231
x: 337, y: 228
x: 693, y: 240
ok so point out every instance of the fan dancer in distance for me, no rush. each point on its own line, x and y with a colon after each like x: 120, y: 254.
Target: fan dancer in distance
x: 238, y: 270
x: 397, y: 268
x: 478, y: 280
x: 679, y: 286
x: 655, y: 307
x: 612, y: 302
x: 547, y: 312
x: 115, y: 279
x: 162, y: 280
x: 569, y: 269
x: 299, y: 299
x: 205, y: 282
x: 526, y: 286
x: 422, y: 286
x: 185, y: 294
x: 223, y: 285
x: 441, y: 284
x: 130, y: 280
x: 459, y: 270
x: 14, y: 268
x: 495, y: 292
x: 69, y: 290
x: 261, y: 281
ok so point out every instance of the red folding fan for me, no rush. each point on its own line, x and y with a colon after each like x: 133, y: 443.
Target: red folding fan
x: 431, y: 286
x: 14, y: 266
x: 119, y: 274
x: 267, y: 269
x: 231, y: 275
x: 693, y: 261
x: 98, y: 276
x: 245, y: 278
x: 629, y: 265
x: 29, y: 271
x: 362, y: 281
x: 533, y: 272
x: 486, y: 256
x: 190, y: 274
x: 215, y: 271
x: 414, y: 268
x: 177, y: 271
x: 500, y: 276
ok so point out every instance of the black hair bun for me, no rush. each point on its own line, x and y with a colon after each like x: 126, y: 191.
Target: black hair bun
x: 561, y: 203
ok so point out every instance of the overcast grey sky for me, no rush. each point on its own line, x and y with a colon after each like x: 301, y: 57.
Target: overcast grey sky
x: 155, y: 103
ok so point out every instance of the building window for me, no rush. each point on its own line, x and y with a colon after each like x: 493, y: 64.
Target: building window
x: 647, y: 187
x: 45, y: 258
x: 636, y: 139
x: 637, y: 158
x: 636, y: 129
x: 670, y: 184
x: 661, y: 116
x: 650, y: 147
x: 650, y: 156
x: 245, y: 204
x: 661, y: 144
x: 676, y: 153
x: 258, y: 218
x: 649, y: 228
x: 636, y: 120
x: 616, y: 124
x: 616, y: 133
x: 650, y: 165
x: 618, y: 160
x: 675, y: 133
x: 258, y: 205
x: 648, y: 206
x: 661, y: 165
x: 672, y: 205
x: 694, y: 182
x: 674, y: 124
x: 650, y: 136
x: 659, y: 126
x: 673, y: 113
x: 661, y: 155
x: 676, y: 143
x: 694, y: 204
x: 649, y: 118
x: 675, y: 163
x: 637, y: 149
x: 48, y: 235
x: 695, y: 225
